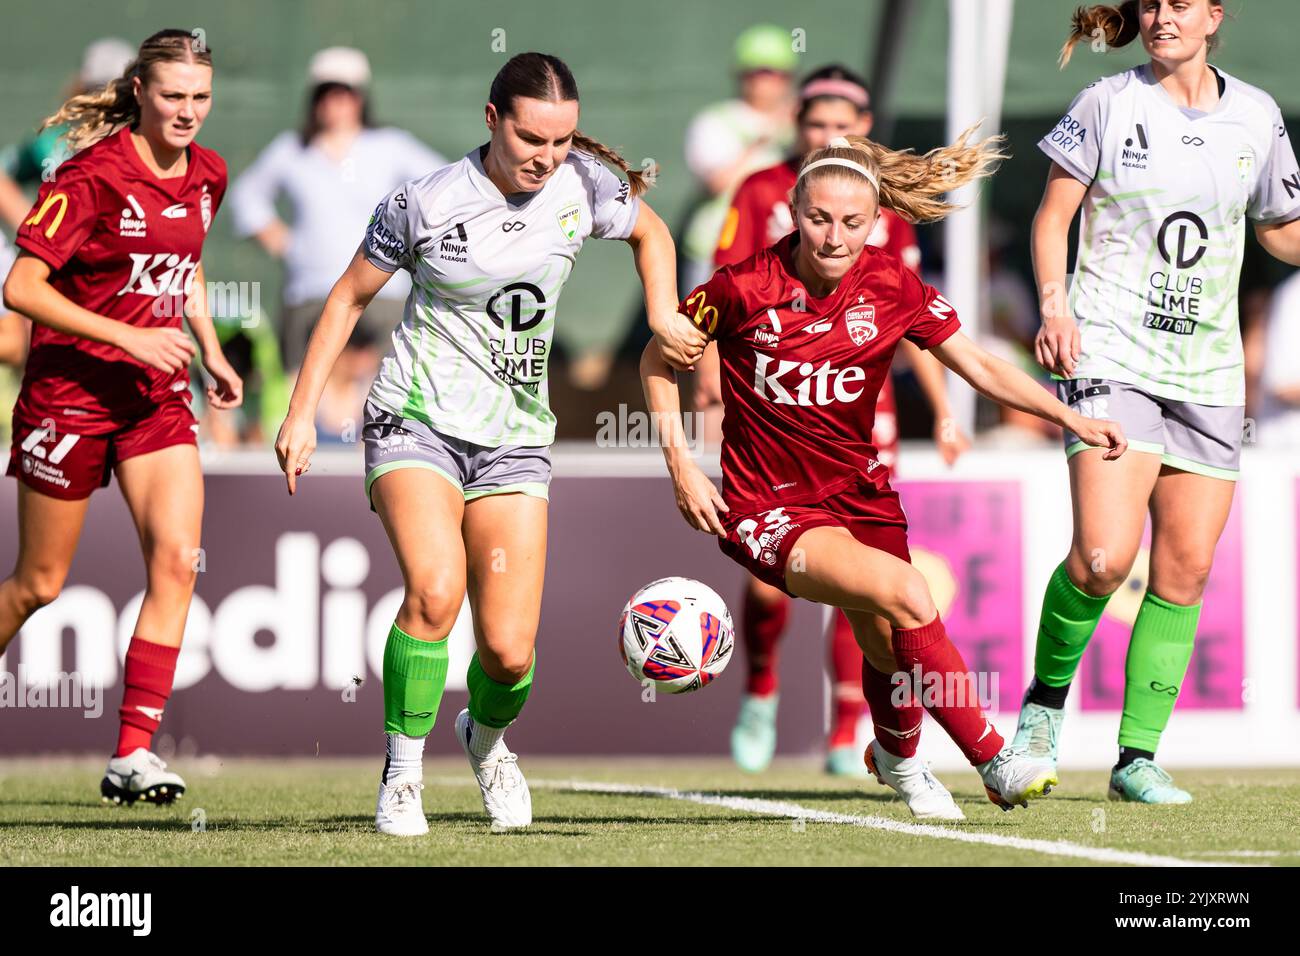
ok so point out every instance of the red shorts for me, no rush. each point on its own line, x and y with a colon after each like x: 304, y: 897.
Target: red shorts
x: 69, y: 466
x: 761, y: 542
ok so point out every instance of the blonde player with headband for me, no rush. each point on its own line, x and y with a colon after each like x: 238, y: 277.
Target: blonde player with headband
x: 806, y: 331
x: 1168, y: 160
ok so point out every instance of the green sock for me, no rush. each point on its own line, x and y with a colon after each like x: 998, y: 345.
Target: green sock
x: 415, y: 673
x: 1158, y: 655
x: 1069, y: 617
x: 493, y: 704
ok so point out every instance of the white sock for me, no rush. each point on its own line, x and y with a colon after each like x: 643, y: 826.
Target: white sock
x: 482, y: 739
x: 405, y: 758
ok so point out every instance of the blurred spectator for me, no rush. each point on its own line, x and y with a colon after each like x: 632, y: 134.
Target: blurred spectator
x: 332, y: 172
x: 729, y: 140
x: 1279, y: 382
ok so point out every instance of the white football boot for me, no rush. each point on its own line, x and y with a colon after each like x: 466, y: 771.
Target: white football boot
x: 140, y: 775
x: 1013, y: 778
x: 505, y: 792
x: 912, y: 780
x: 400, y: 811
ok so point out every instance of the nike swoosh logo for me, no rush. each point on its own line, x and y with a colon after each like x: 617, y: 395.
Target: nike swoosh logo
x: 154, y: 713
x: 176, y: 211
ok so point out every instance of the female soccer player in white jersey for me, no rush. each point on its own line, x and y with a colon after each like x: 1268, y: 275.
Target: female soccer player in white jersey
x: 1167, y: 159
x: 458, y: 425
x: 806, y: 332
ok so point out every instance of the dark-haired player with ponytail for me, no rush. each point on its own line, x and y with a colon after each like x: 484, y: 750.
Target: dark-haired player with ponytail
x: 1168, y: 160
x: 109, y: 264
x: 806, y: 331
x: 458, y: 424
x: 833, y: 101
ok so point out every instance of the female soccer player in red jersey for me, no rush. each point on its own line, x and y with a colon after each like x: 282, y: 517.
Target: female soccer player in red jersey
x: 109, y: 262
x: 833, y: 101
x: 806, y: 332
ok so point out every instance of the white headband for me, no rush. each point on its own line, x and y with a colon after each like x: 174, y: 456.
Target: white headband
x: 841, y: 142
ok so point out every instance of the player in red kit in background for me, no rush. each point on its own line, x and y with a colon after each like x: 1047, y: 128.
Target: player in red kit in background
x: 833, y: 101
x: 109, y: 262
x: 806, y: 333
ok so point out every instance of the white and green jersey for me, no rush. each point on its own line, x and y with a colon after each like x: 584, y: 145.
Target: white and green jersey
x: 470, y: 357
x: 1163, y: 228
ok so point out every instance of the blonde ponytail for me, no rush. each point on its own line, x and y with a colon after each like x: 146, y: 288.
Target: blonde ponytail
x: 910, y: 185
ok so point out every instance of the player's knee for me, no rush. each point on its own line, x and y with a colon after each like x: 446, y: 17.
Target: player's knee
x: 434, y: 602
x: 764, y: 593
x: 913, y: 605
x: 174, y: 564
x: 509, y: 664
x: 34, y: 591
x: 1099, y: 572
x: 1180, y: 581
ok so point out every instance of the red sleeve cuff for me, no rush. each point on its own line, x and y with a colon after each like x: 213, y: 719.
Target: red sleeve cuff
x: 42, y: 251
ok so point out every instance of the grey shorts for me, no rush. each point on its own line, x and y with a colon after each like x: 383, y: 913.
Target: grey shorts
x: 1202, y: 439
x: 392, y: 442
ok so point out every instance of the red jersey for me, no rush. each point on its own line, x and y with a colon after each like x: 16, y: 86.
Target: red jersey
x: 799, y: 385
x: 760, y: 215
x: 124, y: 244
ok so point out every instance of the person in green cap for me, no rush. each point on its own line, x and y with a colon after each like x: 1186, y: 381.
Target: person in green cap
x: 727, y: 141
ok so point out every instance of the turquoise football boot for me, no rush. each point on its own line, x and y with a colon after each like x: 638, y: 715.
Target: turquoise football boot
x: 1143, y: 782
x: 753, y: 739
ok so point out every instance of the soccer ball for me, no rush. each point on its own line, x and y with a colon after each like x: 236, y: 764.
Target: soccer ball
x: 676, y: 633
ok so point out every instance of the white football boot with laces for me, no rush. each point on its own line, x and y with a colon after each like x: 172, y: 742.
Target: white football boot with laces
x: 912, y: 780
x: 140, y: 775
x: 400, y: 811
x: 505, y: 792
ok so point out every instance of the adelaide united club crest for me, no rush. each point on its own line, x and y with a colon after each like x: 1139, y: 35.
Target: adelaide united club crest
x: 861, y: 322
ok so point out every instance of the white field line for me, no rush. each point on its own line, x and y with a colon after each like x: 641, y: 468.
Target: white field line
x: 793, y: 811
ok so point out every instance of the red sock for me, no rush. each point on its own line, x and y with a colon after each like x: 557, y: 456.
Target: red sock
x: 961, y: 717
x: 898, y: 729
x: 148, y: 676
x: 761, y: 624
x: 846, y: 682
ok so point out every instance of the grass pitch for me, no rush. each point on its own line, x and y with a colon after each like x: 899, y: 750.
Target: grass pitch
x: 321, y: 813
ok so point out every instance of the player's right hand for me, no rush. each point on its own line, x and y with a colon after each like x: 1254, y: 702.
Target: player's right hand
x: 699, y: 502
x: 1057, y: 345
x: 681, y: 342
x: 1101, y: 433
x: 293, y: 446
x: 167, y: 350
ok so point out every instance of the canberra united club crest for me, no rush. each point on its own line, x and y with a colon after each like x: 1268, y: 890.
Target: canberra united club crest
x: 568, y: 218
x: 861, y: 322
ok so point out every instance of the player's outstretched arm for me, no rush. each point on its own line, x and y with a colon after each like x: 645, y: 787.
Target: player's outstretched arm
x: 697, y: 497
x: 1007, y: 385
x: 679, y: 341
x: 28, y: 290
x: 347, y: 300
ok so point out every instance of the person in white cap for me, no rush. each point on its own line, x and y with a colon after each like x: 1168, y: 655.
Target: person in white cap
x: 332, y: 171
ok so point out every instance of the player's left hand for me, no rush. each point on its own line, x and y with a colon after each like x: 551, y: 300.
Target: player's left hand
x: 951, y: 441
x: 224, y: 387
x: 1101, y: 433
x: 680, y: 341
